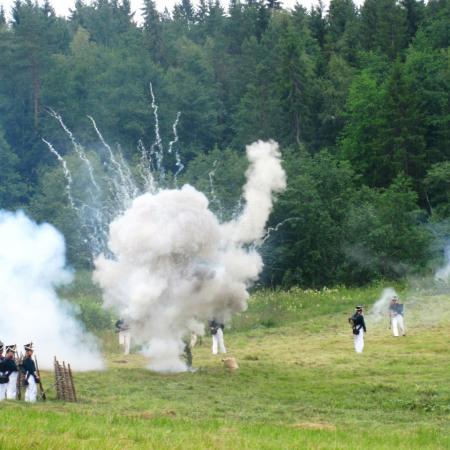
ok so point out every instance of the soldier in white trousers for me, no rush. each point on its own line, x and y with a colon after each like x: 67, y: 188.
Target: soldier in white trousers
x: 124, y: 336
x: 10, y: 370
x: 358, y: 328
x: 396, y: 310
x: 218, y: 344
x: 31, y: 377
x: 3, y: 378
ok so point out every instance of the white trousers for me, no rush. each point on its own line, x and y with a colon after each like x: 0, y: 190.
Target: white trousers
x: 31, y: 390
x: 398, y: 325
x: 125, y: 340
x: 217, y: 342
x: 11, y: 389
x: 3, y: 391
x: 359, y: 341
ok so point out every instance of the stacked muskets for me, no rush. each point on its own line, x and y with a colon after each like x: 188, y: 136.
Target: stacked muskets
x: 65, y: 387
x: 19, y: 359
x: 41, y: 388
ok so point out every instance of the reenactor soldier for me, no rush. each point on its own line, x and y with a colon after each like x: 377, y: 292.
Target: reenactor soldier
x: 216, y: 329
x: 123, y: 331
x: 31, y: 377
x: 359, y: 328
x: 189, y: 343
x: 10, y: 370
x: 396, y: 315
x: 3, y: 378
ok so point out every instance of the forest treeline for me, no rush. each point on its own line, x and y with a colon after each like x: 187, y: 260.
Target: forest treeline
x: 358, y: 99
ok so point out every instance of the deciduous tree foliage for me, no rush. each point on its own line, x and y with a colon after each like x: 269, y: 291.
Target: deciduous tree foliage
x: 358, y: 98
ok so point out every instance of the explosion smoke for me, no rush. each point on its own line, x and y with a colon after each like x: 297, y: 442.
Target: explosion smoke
x: 175, y: 266
x: 32, y: 266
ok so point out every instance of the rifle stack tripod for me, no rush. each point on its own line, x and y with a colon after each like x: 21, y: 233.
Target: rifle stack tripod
x: 64, y: 384
x: 65, y: 387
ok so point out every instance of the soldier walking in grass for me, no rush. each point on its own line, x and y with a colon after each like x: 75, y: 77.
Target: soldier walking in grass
x: 31, y: 378
x: 218, y: 344
x: 396, y: 314
x: 189, y: 344
x: 9, y: 368
x: 358, y: 328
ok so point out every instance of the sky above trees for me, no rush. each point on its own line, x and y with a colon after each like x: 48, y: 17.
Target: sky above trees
x: 62, y: 6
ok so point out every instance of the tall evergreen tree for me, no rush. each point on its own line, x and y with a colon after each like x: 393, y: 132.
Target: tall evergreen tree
x: 415, y: 12
x: 2, y: 17
x: 383, y: 27
x: 12, y: 188
x: 153, y: 30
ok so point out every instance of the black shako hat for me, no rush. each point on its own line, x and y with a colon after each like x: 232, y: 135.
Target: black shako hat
x: 11, y: 348
x: 359, y: 308
x: 29, y: 347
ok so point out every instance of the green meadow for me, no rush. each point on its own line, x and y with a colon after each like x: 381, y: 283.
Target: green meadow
x: 299, y: 386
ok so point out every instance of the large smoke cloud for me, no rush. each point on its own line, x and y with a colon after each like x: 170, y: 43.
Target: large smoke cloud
x: 32, y: 265
x: 175, y: 266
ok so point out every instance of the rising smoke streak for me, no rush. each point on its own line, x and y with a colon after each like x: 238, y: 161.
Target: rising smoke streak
x: 175, y: 266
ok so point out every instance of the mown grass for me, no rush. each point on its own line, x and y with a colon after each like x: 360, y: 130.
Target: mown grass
x: 299, y: 386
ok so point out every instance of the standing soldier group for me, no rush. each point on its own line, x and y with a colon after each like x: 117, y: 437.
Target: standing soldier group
x: 397, y: 323
x: 9, y: 373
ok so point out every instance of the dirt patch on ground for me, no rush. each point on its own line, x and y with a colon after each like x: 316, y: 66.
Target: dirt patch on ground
x: 315, y: 426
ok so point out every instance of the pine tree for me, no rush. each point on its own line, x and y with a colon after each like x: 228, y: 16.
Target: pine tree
x: 383, y: 27
x: 184, y: 13
x: 402, y: 132
x: 153, y: 31
x: 2, y: 17
x: 415, y: 11
x: 273, y: 4
x: 12, y: 189
x: 317, y: 22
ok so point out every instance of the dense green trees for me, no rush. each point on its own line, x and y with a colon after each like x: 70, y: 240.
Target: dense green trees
x: 358, y: 98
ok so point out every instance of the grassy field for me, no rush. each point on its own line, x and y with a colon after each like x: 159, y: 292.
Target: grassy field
x: 300, y: 386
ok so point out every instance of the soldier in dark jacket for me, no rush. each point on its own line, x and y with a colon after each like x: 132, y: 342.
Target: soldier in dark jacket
x: 3, y: 378
x: 359, y: 328
x: 31, y: 377
x: 10, y: 371
x: 396, y: 312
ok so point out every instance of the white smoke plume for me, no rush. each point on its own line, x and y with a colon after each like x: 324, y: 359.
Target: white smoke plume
x: 380, y: 308
x: 175, y: 266
x: 263, y: 179
x: 32, y: 266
